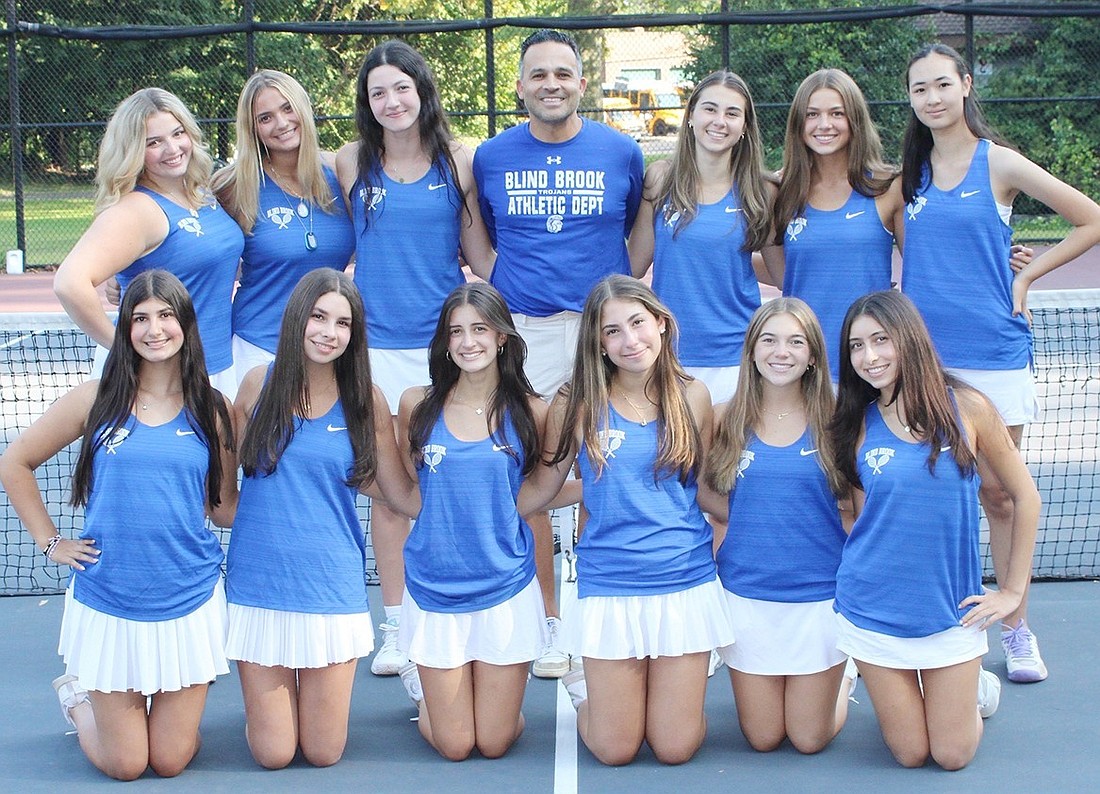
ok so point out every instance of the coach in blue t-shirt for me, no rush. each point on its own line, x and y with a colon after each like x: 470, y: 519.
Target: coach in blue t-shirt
x: 558, y: 195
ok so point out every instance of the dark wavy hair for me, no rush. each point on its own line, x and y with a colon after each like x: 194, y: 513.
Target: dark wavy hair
x: 435, y: 130
x: 921, y: 382
x: 512, y: 394
x: 916, y: 147
x: 204, y: 406
x: 285, y: 396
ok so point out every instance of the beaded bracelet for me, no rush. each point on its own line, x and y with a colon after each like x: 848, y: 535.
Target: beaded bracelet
x: 51, y: 544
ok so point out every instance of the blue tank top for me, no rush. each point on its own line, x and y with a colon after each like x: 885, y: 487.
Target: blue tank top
x: 642, y: 537
x: 202, y: 250
x: 276, y: 257
x: 913, y: 552
x: 469, y: 549
x: 707, y: 280
x: 406, y: 261
x: 834, y: 257
x: 297, y: 544
x: 147, y: 511
x: 957, y: 273
x: 788, y: 554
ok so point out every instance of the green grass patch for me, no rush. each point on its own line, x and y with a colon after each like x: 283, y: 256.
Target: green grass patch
x: 1039, y: 228
x: 55, y: 215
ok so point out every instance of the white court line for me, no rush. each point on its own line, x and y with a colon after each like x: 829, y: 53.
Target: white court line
x: 565, y: 740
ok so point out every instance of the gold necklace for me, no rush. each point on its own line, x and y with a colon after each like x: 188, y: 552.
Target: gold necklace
x: 637, y: 409
x: 779, y: 416
x: 897, y: 415
x: 474, y: 408
x: 145, y: 405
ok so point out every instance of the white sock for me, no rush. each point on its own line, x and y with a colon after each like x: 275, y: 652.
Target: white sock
x: 392, y: 612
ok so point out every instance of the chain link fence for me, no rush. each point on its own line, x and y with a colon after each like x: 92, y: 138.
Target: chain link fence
x: 68, y: 63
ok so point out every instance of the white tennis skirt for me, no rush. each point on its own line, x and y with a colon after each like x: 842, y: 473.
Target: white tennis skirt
x: 276, y: 638
x: 776, y: 638
x: 955, y: 645
x: 636, y: 627
x: 510, y: 633
x: 109, y: 654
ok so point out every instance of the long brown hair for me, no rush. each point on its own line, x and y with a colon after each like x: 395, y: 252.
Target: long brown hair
x: 680, y: 187
x: 679, y: 447
x: 868, y: 174
x: 921, y: 383
x: 204, y: 407
x: 745, y: 411
x: 285, y: 396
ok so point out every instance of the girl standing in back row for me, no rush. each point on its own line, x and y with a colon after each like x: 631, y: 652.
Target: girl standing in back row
x: 958, y: 182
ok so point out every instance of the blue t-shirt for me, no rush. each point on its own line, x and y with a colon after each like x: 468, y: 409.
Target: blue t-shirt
x: 276, y: 257
x: 147, y: 514
x: 956, y: 270
x: 789, y: 555
x: 469, y: 548
x: 202, y: 249
x: 297, y: 544
x: 557, y: 213
x: 406, y: 261
x: 832, y: 258
x: 912, y: 556
x: 707, y: 281
x: 642, y: 537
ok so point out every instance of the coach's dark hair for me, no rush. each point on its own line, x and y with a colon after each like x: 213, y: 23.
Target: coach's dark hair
x: 917, y: 146
x: 921, y: 382
x: 204, y: 407
x: 554, y: 36
x: 285, y: 397
x: 435, y: 131
x: 513, y: 392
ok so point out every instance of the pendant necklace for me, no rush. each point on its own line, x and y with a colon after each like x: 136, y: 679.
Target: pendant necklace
x: 641, y: 416
x: 780, y: 416
x: 474, y: 408
x: 300, y: 212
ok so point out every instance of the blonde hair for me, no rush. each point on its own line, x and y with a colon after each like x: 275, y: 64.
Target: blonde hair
x: 868, y: 173
x: 121, y: 160
x: 744, y: 412
x: 678, y: 443
x: 238, y: 185
x: 680, y: 187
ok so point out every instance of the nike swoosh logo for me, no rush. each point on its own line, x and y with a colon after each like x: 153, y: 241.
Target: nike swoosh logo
x: 849, y: 215
x: 500, y: 448
x: 969, y: 193
x: 806, y: 452
x: 733, y: 209
x: 184, y: 432
x: 945, y: 449
x: 332, y: 429
x: 437, y: 187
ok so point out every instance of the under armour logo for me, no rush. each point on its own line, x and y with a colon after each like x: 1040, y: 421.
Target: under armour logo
x: 552, y: 160
x: 281, y: 216
x: 877, y: 458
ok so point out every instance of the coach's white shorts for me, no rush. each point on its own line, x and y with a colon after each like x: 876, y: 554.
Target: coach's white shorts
x: 393, y: 371
x: 551, y: 346
x: 1012, y: 391
x: 721, y: 382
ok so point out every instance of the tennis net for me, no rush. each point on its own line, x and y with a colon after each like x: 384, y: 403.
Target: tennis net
x: 43, y: 355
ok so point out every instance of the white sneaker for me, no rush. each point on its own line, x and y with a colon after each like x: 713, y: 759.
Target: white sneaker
x: 576, y: 686
x: 69, y: 695
x: 388, y: 660
x: 1025, y: 665
x: 989, y: 693
x: 553, y: 662
x: 410, y: 677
